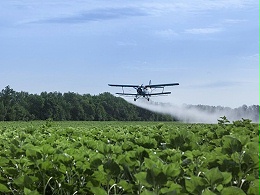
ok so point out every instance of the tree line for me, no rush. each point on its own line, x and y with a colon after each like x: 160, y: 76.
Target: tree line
x: 23, y: 106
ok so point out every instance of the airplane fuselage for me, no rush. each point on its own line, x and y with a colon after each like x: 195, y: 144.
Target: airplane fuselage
x: 143, y: 91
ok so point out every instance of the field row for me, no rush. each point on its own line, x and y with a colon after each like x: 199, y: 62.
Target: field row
x: 127, y: 158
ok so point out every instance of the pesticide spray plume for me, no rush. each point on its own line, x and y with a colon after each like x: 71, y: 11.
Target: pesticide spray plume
x: 200, y: 113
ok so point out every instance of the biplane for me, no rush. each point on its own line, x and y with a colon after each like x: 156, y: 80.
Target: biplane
x: 145, y: 91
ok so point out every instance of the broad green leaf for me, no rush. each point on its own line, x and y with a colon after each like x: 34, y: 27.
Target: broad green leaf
x: 111, y: 167
x: 208, y: 192
x: 13, y: 172
x: 2, y: 179
x: 62, y: 168
x: 100, y: 176
x: 141, y: 154
x: 15, y: 143
x: 251, y: 158
x: 214, y: 176
x: 253, y: 188
x: 227, y: 177
x: 172, y: 170
x: 33, y: 154
x: 117, y: 149
x: 160, y: 179
x: 128, y: 159
x: 84, y: 168
x: 252, y: 146
x: 128, y: 174
x: 173, y: 186
x: 125, y: 185
x: 165, y: 190
x: 3, y: 161
x: 219, y: 187
x: 195, y: 185
x: 127, y: 146
x: 155, y: 179
x: 147, y: 192
x: 250, y: 178
x: 155, y: 166
x: 30, y: 192
x: 24, y: 181
x: 47, y: 149
x: 104, y: 148
x: 28, y: 181
x: 98, y: 191
x: 189, y: 154
x: 65, y: 159
x: 46, y: 165
x: 176, y: 158
x: 150, y: 177
x: 168, y: 191
x: 141, y: 178
x: 232, y: 191
x: 231, y: 145
x: 150, y: 164
x: 95, y: 163
x: 3, y: 188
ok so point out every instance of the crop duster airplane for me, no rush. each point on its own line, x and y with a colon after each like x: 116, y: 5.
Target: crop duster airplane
x: 145, y: 91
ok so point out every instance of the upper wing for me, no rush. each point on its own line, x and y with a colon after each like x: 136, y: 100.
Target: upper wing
x: 162, y: 93
x: 162, y: 85
x: 126, y: 94
x: 112, y: 85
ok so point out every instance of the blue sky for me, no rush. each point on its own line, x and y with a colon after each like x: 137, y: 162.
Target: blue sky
x: 210, y: 47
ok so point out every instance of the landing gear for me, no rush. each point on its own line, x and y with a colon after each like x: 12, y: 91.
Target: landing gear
x: 147, y: 98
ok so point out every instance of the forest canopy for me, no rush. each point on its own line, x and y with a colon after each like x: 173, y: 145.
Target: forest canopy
x: 70, y: 106
x: 57, y: 106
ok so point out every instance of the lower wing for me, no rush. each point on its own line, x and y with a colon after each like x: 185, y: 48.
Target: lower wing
x: 147, y: 94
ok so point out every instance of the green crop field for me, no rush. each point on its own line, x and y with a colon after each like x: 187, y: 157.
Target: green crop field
x: 145, y: 158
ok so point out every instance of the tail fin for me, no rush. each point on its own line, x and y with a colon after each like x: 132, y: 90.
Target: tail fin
x: 150, y: 82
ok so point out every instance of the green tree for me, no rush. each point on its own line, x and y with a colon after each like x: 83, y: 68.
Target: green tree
x: 2, y: 111
x: 7, y: 96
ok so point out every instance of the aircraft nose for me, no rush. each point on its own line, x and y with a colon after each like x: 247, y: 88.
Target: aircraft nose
x: 139, y: 90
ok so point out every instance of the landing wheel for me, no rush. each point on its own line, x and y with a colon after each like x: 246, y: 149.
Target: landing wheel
x: 148, y: 99
x: 134, y: 99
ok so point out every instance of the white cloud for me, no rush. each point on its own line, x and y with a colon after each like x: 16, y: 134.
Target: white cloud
x: 126, y: 43
x: 168, y: 33
x: 198, y: 5
x: 254, y: 57
x: 250, y: 62
x: 234, y: 21
x: 203, y: 30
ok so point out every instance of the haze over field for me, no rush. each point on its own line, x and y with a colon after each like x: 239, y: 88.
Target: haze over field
x: 210, y: 47
x: 201, y: 113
